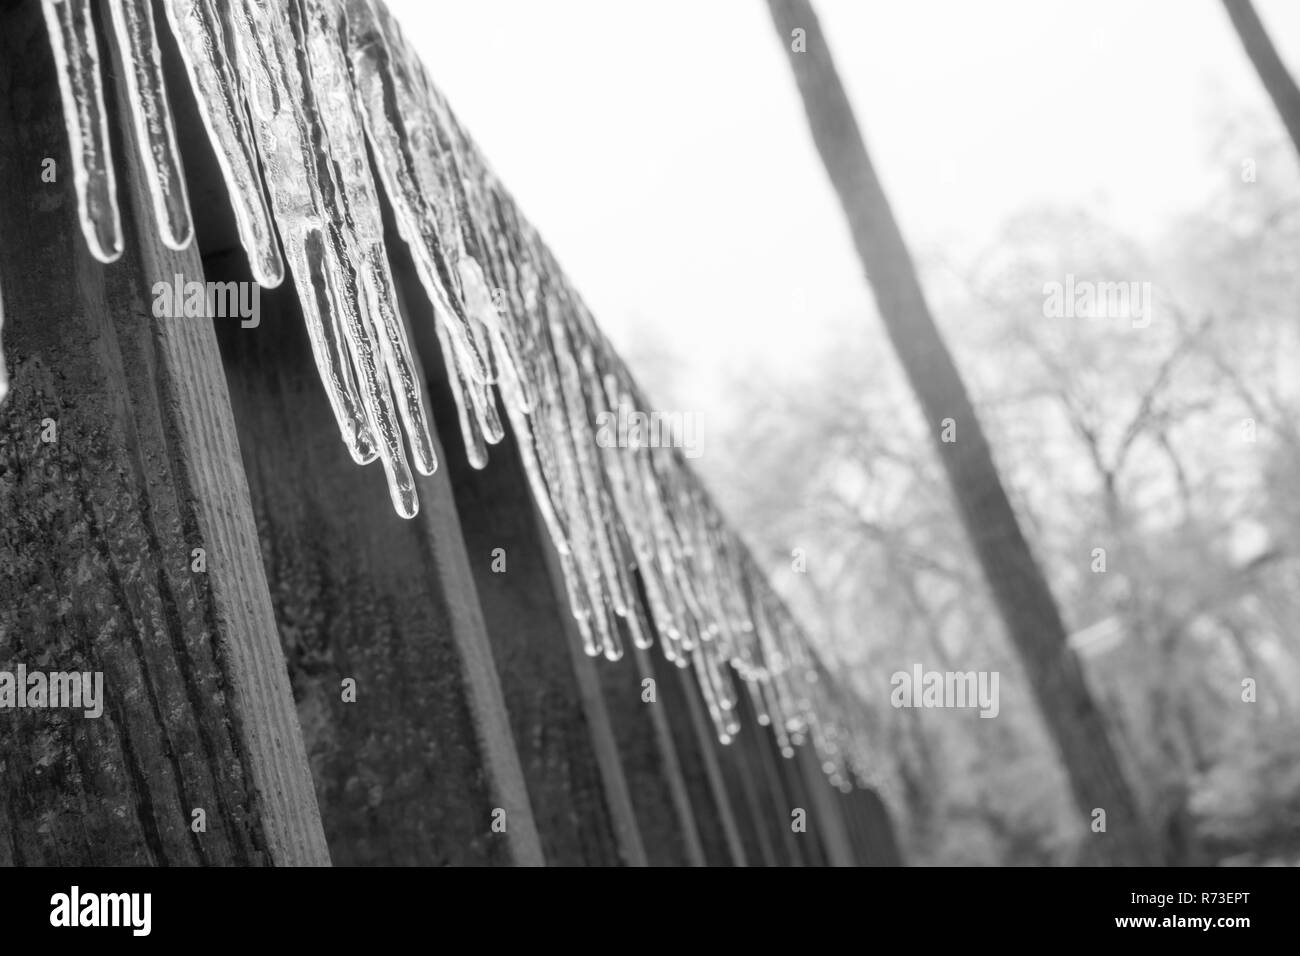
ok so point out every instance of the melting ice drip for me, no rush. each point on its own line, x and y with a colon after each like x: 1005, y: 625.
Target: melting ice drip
x: 290, y: 92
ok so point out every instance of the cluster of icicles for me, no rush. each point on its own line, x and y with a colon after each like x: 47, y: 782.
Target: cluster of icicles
x: 290, y: 92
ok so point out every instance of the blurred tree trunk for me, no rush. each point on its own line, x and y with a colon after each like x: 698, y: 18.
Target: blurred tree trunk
x: 1272, y: 71
x: 1077, y: 725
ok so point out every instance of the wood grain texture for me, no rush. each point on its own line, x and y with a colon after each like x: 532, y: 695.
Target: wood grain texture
x: 98, y: 532
x: 551, y: 713
x: 411, y: 772
x: 649, y: 758
x: 676, y: 688
x: 361, y: 594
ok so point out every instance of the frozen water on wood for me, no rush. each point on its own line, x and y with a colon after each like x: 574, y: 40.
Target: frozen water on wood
x: 76, y: 57
x: 155, y: 135
x: 274, y: 91
x: 331, y: 73
x: 643, y: 550
x: 409, y: 169
x: 201, y: 36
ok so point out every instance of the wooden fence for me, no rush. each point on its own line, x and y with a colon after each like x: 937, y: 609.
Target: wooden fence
x: 293, y: 674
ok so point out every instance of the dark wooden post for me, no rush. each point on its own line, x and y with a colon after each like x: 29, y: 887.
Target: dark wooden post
x: 758, y: 743
x: 826, y: 808
x: 709, y: 747
x: 412, y: 757
x: 213, y: 551
x: 581, y: 803
x: 697, y: 749
x: 745, y: 787
x: 875, y: 832
x: 811, y: 838
x: 649, y: 755
x: 127, y: 543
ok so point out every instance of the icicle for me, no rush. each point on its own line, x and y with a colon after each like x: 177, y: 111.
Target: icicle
x: 155, y: 136
x: 470, y: 429
x: 76, y: 57
x: 755, y: 692
x: 4, y: 368
x: 290, y: 91
x: 283, y: 136
x: 545, y: 390
x: 589, y: 483
x: 637, y: 628
x: 527, y: 445
x: 390, y: 331
x: 578, y: 602
x: 402, y: 140
x: 343, y: 261
x: 201, y: 37
x: 717, y: 698
x: 485, y: 410
x: 362, y: 237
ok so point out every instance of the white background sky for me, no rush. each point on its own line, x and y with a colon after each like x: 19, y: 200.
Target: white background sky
x: 661, y: 148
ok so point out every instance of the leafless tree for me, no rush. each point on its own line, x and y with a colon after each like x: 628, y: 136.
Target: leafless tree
x: 1020, y: 590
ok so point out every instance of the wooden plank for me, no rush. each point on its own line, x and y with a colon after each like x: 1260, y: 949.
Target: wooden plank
x: 583, y: 810
x: 871, y: 816
x: 649, y: 757
x: 98, y: 535
x: 830, y: 821
x: 404, y: 769
x: 810, y: 839
x: 580, y: 800
x: 771, y: 810
x: 706, y: 735
x: 605, y: 743
x: 412, y: 771
x: 672, y: 764
x: 763, y: 748
x: 857, y: 832
x: 745, y: 787
x: 690, y: 749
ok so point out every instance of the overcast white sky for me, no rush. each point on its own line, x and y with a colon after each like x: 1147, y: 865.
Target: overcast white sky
x: 662, y: 150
